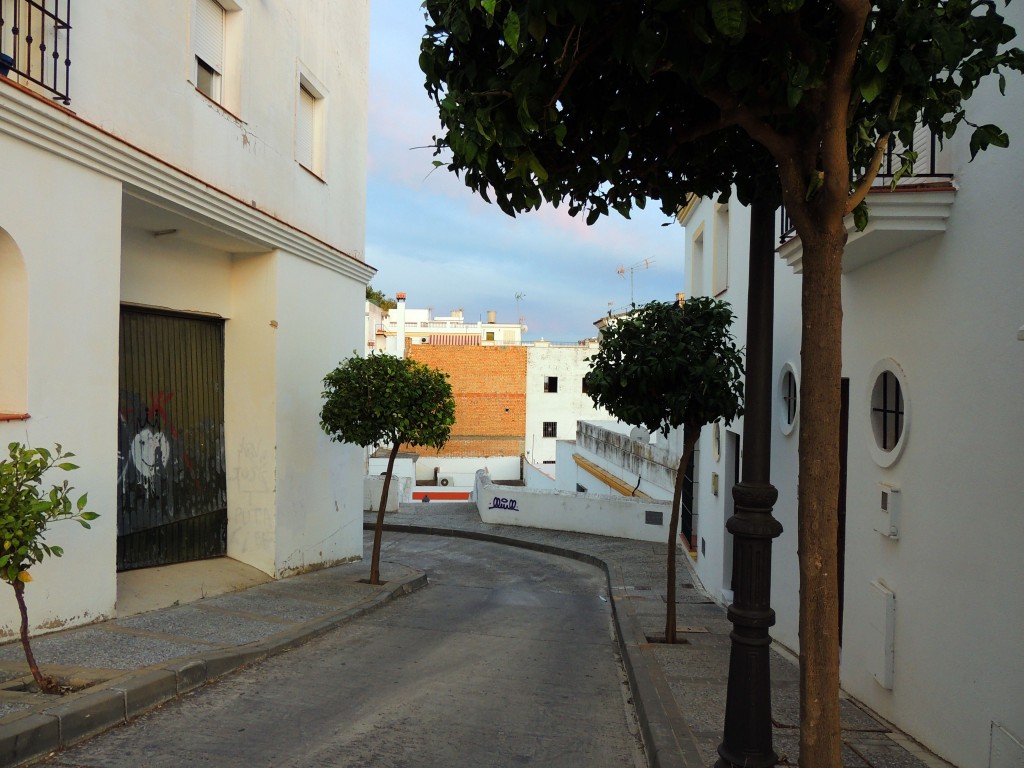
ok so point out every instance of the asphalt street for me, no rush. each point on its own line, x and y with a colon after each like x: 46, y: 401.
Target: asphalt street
x: 507, y: 659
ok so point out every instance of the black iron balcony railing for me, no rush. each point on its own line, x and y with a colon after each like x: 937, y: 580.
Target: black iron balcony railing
x: 35, y: 43
x: 925, y: 172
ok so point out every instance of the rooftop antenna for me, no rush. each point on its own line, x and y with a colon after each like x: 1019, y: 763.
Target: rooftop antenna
x: 519, y: 297
x: 645, y: 264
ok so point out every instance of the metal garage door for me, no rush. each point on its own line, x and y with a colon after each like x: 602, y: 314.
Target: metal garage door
x: 171, y: 493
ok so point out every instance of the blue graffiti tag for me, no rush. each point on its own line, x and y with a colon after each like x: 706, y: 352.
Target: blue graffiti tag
x: 499, y: 503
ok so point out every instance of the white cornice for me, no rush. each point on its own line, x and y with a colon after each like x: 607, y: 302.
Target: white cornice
x: 53, y: 130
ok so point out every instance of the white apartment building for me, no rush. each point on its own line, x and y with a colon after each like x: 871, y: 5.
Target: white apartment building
x: 556, y: 398
x: 389, y: 331
x: 933, y: 366
x: 181, y: 262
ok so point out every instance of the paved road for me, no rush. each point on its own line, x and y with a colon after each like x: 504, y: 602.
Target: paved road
x: 506, y: 659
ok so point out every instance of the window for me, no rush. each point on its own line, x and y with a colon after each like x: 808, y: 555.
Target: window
x: 550, y: 429
x: 585, y: 389
x: 309, y: 126
x: 887, y: 410
x: 788, y: 399
x: 890, y: 412
x: 550, y: 383
x: 216, y: 35
x: 720, y: 265
x: 208, y: 46
x: 490, y: 335
x: 697, y: 264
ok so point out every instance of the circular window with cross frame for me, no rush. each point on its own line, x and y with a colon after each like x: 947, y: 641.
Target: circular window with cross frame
x: 889, y: 412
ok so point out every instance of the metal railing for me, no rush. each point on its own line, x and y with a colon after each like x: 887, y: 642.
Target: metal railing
x: 35, y: 43
x: 925, y: 171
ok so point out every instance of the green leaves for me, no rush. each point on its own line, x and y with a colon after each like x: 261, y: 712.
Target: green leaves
x: 27, y: 508
x: 386, y: 399
x: 986, y: 136
x: 730, y: 17
x: 663, y: 366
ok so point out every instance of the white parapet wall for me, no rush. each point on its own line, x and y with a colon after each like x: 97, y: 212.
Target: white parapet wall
x: 621, y: 517
x: 399, y: 491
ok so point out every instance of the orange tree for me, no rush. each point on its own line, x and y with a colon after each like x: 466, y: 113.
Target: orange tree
x: 663, y: 366
x: 391, y: 400
x: 606, y: 105
x: 26, y: 511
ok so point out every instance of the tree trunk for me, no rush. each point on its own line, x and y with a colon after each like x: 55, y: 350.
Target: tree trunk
x: 378, y: 529
x: 690, y: 435
x: 46, y: 684
x: 818, y: 496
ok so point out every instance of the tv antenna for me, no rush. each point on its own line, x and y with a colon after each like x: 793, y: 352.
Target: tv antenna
x: 645, y: 264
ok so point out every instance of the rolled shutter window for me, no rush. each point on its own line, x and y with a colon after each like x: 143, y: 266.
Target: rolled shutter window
x: 208, y: 34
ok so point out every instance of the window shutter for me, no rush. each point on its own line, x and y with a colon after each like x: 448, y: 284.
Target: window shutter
x: 208, y: 34
x: 305, y: 128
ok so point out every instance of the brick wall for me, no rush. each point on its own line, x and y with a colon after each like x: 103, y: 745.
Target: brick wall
x: 489, y: 384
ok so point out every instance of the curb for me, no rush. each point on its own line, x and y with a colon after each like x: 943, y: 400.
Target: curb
x: 52, y: 727
x: 668, y: 741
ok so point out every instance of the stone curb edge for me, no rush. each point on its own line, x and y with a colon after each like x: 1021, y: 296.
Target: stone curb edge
x: 57, y: 726
x: 668, y: 741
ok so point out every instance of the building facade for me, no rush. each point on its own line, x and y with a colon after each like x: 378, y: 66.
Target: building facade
x: 181, y: 264
x: 933, y: 421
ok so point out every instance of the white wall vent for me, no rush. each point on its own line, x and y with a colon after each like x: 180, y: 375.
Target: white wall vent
x: 882, y: 623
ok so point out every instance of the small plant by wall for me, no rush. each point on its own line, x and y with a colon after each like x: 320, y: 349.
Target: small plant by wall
x: 27, y: 509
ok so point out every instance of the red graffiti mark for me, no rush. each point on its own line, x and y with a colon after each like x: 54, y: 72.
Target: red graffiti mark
x: 157, y: 401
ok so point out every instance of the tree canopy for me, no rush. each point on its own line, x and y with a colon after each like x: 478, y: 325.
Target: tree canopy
x: 606, y: 105
x: 664, y: 366
x: 386, y: 399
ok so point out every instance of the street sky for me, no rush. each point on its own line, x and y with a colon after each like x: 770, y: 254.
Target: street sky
x: 433, y: 238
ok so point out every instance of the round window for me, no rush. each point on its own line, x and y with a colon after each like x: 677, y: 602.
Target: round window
x: 890, y: 412
x: 788, y: 401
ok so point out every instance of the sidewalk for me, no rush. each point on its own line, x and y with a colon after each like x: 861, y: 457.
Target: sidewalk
x: 135, y: 663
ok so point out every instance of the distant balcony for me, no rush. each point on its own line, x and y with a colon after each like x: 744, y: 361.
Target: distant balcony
x: 916, y: 209
x: 35, y: 44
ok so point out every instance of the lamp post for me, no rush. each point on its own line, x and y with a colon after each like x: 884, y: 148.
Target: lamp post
x: 747, y: 738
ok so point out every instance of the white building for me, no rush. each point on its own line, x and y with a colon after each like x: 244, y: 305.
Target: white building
x: 389, y: 332
x: 933, y: 367
x: 556, y: 398
x: 193, y: 175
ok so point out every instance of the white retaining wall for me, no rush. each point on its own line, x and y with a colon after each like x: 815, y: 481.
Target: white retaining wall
x: 578, y: 512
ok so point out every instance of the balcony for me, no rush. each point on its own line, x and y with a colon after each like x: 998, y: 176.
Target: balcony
x: 913, y: 210
x: 35, y: 44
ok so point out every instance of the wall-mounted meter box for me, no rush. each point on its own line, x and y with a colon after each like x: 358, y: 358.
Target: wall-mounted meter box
x: 889, y: 508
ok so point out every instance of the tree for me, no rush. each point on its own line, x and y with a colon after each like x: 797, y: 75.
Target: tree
x: 606, y: 105
x: 664, y: 366
x: 377, y: 297
x: 386, y: 399
x: 26, y: 511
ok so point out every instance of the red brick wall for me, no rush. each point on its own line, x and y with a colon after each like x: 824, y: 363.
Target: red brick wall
x: 489, y: 384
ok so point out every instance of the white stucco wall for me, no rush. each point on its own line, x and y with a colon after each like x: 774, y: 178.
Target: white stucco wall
x: 68, y: 234
x: 248, y: 151
x: 947, y: 311
x: 150, y: 194
x: 580, y: 512
x: 564, y: 407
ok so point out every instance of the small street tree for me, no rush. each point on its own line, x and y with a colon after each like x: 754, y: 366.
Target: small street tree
x: 664, y: 366
x: 605, y: 105
x: 26, y: 511
x: 385, y: 399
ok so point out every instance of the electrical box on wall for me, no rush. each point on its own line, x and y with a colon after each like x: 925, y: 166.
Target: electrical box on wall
x: 889, y: 507
x: 881, y: 661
